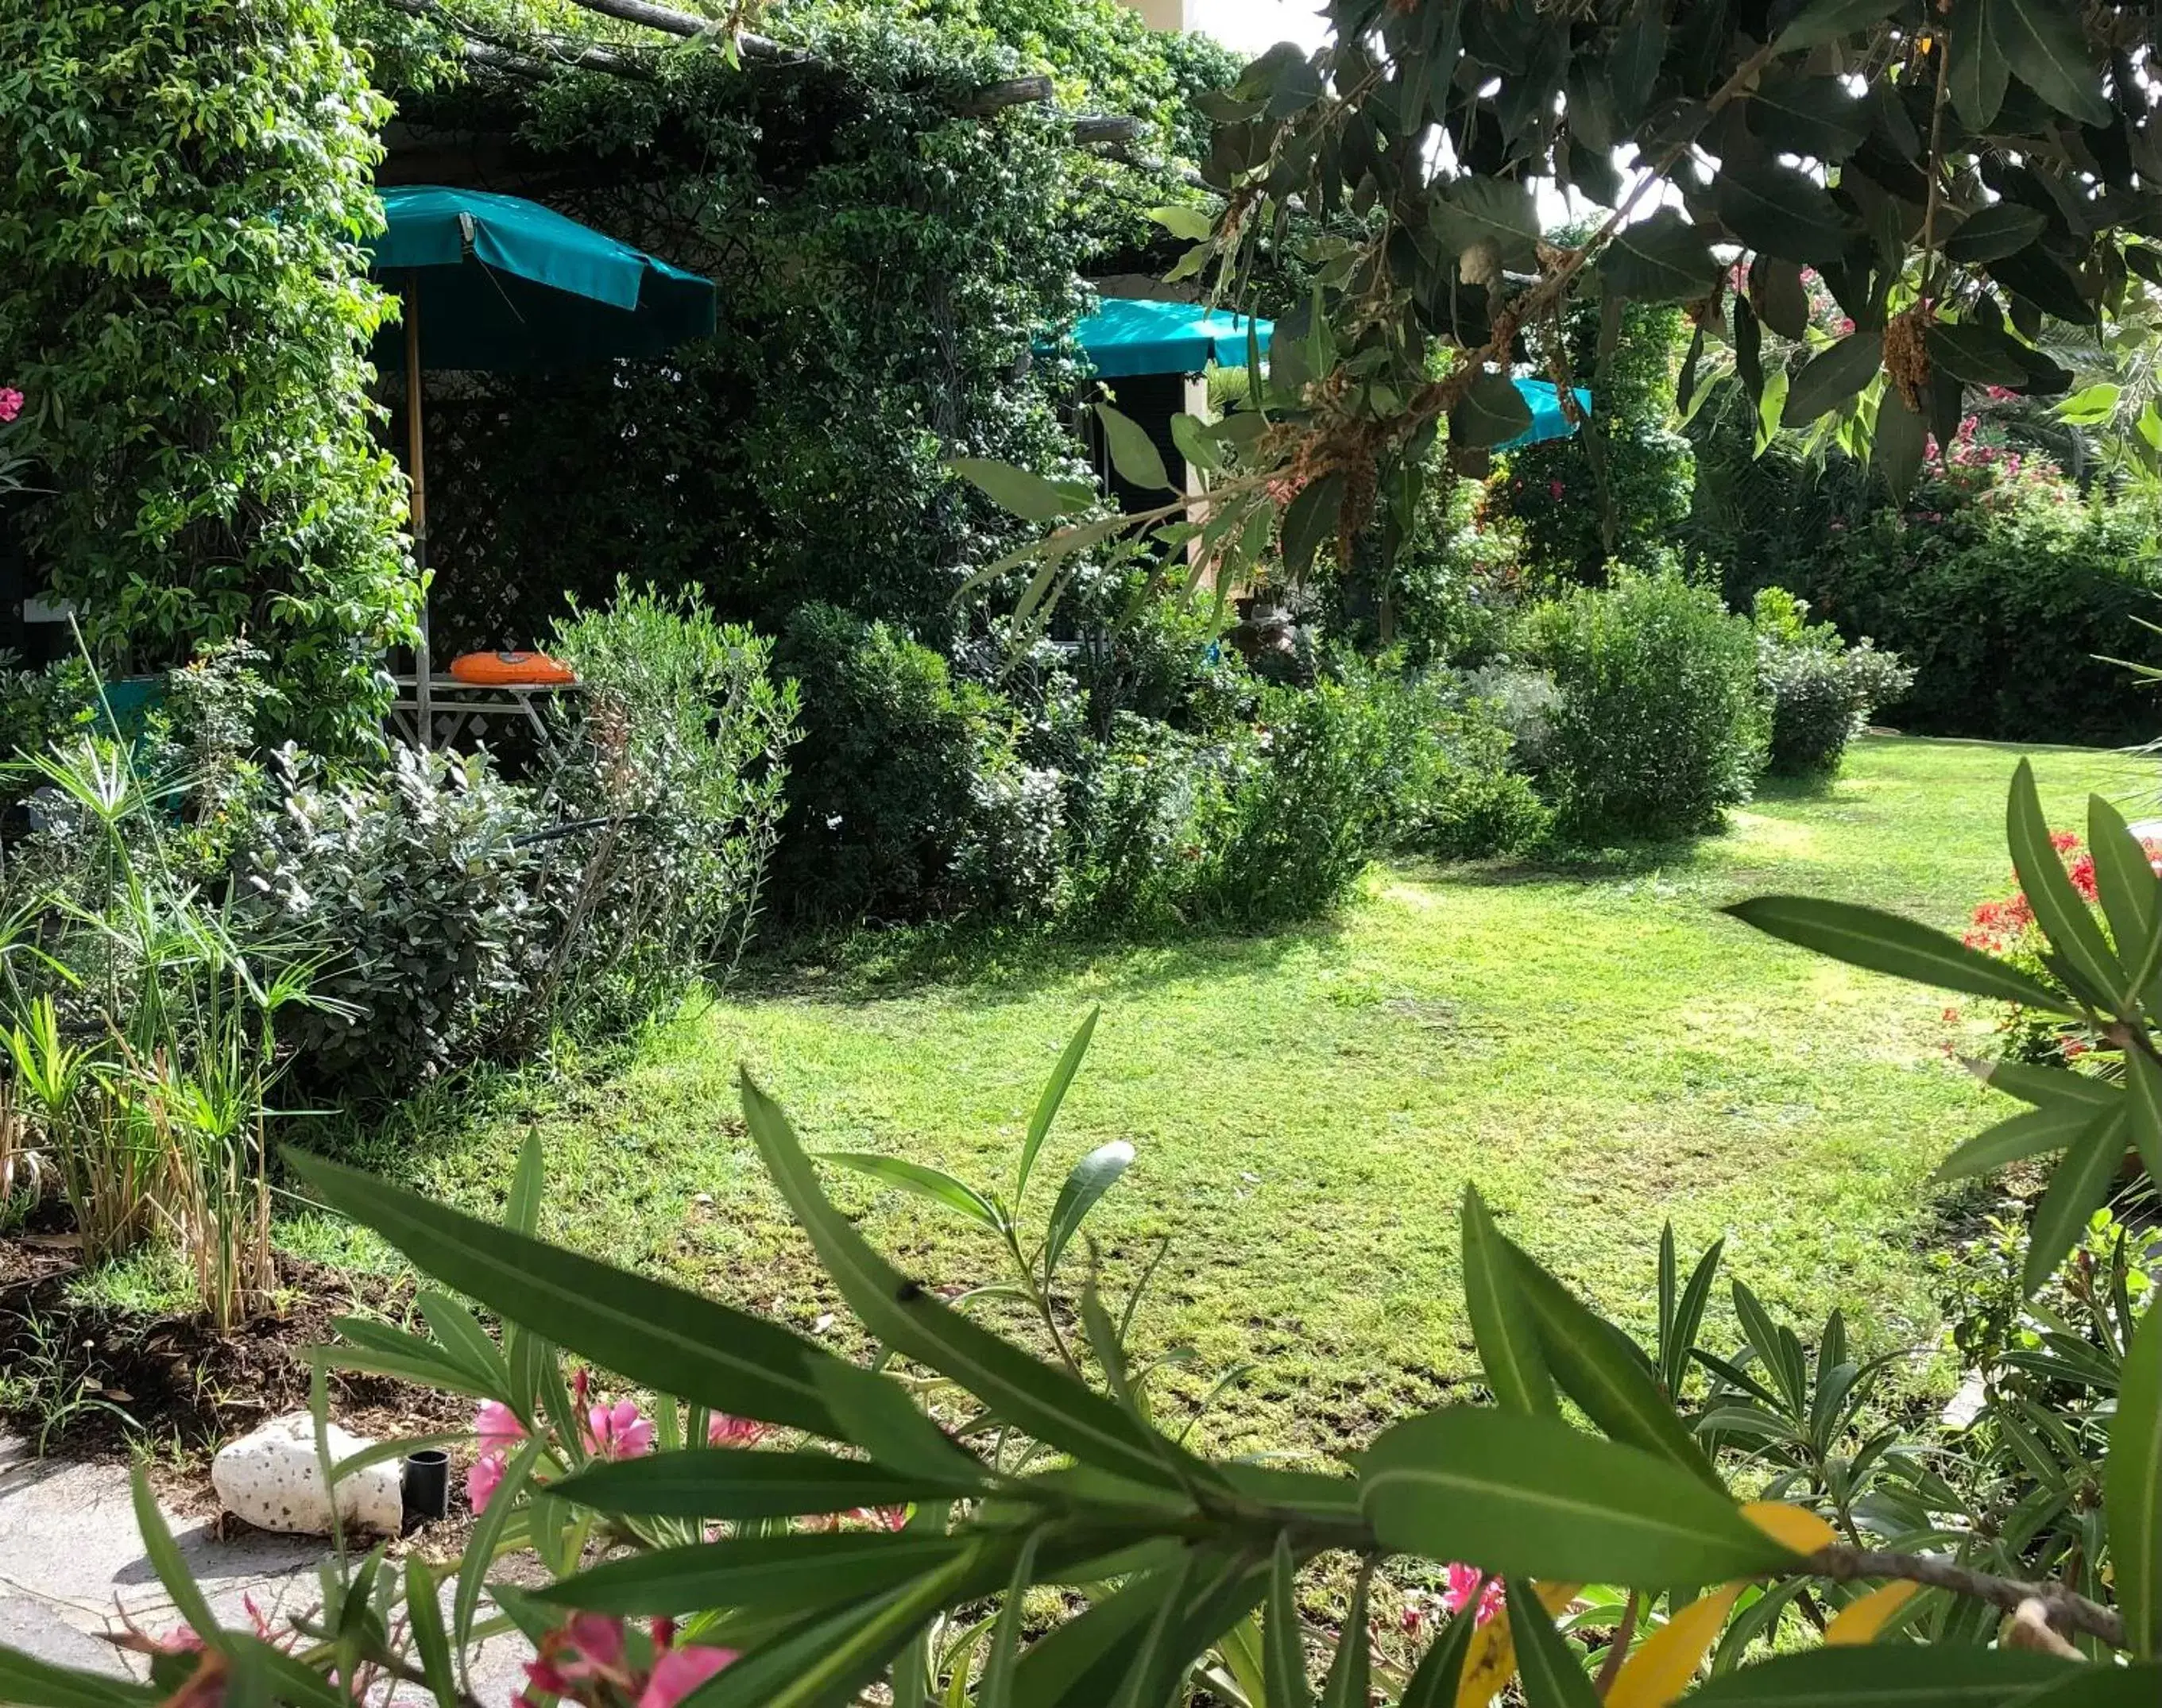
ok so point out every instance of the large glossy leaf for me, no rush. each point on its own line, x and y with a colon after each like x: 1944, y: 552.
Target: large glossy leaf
x: 935, y: 1184
x: 1017, y: 491
x: 1283, y: 1643
x: 2130, y: 892
x: 2079, y: 1188
x: 1609, y: 1378
x: 1937, y: 1675
x: 718, y: 1482
x: 1897, y: 446
x: 1133, y: 452
x: 2039, y: 276
x: 1831, y: 377
x: 1527, y: 1495
x: 1502, y: 1326
x: 1781, y: 299
x: 1485, y: 209
x: 1553, y: 1675
x: 1663, y: 258
x: 2047, y: 50
x: 1794, y: 112
x: 1975, y: 354
x: 1998, y: 229
x: 1091, y: 1178
x: 2132, y: 1487
x: 658, y: 1336
x: 1979, y: 73
x: 1884, y: 942
x: 1048, y: 1101
x: 1822, y: 21
x: 1777, y: 211
x: 2059, y: 909
x: 1492, y: 412
x: 1309, y: 522
x: 1052, y: 1407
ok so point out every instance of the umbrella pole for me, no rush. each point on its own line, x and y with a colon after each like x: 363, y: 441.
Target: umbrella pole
x: 417, y: 483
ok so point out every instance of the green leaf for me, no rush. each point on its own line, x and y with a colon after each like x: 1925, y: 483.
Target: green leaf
x: 1492, y: 412
x: 1502, y: 1326
x: 1998, y: 230
x: 1196, y: 225
x: 380, y: 1350
x: 1975, y: 354
x: 995, y: 1689
x: 1553, y: 1675
x: 2091, y: 406
x: 1979, y: 73
x: 1781, y: 299
x: 1133, y: 452
x: 1046, y: 1404
x: 2079, y: 1188
x: 463, y: 1341
x: 1890, y: 1675
x: 935, y: 1184
x: 171, y: 1567
x: 2047, y: 50
x: 1309, y: 520
x: 1689, y: 1317
x: 1054, y: 1094
x: 2050, y: 1088
x: 2059, y: 909
x: 2130, y: 892
x: 1633, y: 66
x: 2143, y: 1105
x: 1351, y: 1677
x: 1434, y: 1682
x: 1148, y: 1678
x: 1831, y: 377
x: 788, y: 1574
x: 522, y: 1208
x: 1283, y: 1642
x: 481, y: 1547
x: 1794, y: 112
x: 1196, y: 443
x: 1823, y: 21
x: 1501, y: 211
x: 1663, y: 258
x: 1897, y: 448
x: 2033, y: 1134
x: 719, y: 1482
x: 32, y: 1683
x: 1016, y: 490
x: 1091, y: 1178
x: 1884, y: 942
x: 658, y: 1336
x: 1525, y: 1495
x: 1060, y: 1664
x: 424, y: 1617
x: 2040, y: 277
x: 1600, y: 1369
x: 2132, y: 1488
x: 1775, y: 211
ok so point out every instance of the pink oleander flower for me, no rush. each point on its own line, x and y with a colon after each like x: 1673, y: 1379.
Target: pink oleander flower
x: 617, y: 1431
x: 882, y: 1517
x: 1464, y: 1581
x: 482, y: 1479
x: 681, y: 1671
x: 1555, y: 489
x: 11, y: 403
x: 497, y: 1427
x: 723, y: 1430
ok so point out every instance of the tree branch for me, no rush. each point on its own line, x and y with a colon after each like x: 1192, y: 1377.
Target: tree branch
x: 2068, y: 1612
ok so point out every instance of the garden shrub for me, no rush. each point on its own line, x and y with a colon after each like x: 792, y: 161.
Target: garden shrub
x: 1821, y: 690
x: 182, y: 185
x: 907, y: 793
x: 421, y: 884
x: 1461, y: 797
x: 1131, y: 833
x: 1659, y: 726
x: 674, y: 758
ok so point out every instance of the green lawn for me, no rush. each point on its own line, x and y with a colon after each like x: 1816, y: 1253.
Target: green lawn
x: 1595, y: 1047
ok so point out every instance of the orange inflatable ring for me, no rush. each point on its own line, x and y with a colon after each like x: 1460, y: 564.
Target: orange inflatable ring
x: 496, y: 670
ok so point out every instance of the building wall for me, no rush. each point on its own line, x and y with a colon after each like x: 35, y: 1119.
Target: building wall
x: 1165, y: 14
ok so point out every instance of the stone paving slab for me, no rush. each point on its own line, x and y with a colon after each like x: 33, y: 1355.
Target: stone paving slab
x: 72, y: 1563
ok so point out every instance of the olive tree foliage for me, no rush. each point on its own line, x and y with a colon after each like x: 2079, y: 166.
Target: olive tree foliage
x: 1955, y: 173
x: 184, y: 186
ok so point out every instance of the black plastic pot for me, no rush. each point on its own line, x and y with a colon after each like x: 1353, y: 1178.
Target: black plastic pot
x: 425, y: 1484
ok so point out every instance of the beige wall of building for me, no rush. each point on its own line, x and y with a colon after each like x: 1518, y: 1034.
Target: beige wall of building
x: 1164, y: 15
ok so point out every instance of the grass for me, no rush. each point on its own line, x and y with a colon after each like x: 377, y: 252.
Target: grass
x: 1595, y: 1045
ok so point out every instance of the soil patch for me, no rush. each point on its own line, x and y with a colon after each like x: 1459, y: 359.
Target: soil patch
x: 88, y: 1382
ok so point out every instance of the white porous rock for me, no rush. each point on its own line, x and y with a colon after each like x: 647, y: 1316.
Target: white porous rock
x: 271, y: 1478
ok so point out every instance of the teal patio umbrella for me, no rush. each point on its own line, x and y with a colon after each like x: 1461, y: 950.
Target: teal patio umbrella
x: 498, y: 283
